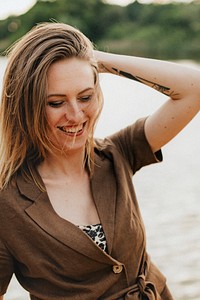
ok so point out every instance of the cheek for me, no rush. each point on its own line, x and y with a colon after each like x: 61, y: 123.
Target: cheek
x: 94, y: 107
x: 93, y: 113
x: 52, y: 116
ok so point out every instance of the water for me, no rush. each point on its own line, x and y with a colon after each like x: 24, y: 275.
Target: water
x: 168, y: 193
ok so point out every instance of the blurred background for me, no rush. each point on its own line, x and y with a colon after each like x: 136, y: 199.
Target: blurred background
x: 168, y: 193
x: 161, y: 29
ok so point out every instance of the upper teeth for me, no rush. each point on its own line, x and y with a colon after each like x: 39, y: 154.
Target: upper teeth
x: 71, y: 129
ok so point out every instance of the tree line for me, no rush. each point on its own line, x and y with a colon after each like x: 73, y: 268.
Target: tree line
x: 170, y: 31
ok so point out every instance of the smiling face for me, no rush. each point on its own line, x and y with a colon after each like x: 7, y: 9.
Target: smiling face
x: 72, y: 104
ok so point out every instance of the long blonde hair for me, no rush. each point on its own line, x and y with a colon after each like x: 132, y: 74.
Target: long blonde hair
x: 23, y: 123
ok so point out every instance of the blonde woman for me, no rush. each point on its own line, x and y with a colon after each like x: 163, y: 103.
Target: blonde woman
x: 70, y: 225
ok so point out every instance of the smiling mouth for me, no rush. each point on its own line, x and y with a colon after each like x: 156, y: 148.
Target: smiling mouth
x: 72, y: 130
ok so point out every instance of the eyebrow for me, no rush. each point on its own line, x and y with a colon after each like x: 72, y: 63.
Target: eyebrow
x: 63, y: 95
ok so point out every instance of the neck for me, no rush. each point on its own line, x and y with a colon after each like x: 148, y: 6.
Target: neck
x: 55, y: 166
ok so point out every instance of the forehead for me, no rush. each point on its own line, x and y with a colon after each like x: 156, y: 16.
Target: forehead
x: 70, y: 74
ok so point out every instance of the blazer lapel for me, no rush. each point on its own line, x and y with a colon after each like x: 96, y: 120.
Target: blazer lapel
x: 103, y: 185
x: 43, y: 214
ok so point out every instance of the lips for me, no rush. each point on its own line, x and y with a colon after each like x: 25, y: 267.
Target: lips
x: 72, y: 130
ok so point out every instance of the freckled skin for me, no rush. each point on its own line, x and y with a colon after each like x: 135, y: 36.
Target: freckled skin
x: 72, y: 111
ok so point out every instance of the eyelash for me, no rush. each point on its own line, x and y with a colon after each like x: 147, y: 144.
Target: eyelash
x: 85, y: 98
x: 56, y: 104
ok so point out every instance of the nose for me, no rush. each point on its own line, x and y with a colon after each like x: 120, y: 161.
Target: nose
x: 73, y: 112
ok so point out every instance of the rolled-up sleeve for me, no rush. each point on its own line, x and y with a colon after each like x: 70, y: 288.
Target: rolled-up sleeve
x: 132, y: 144
x: 6, y: 268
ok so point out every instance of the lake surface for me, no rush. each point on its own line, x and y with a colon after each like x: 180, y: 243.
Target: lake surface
x: 168, y: 193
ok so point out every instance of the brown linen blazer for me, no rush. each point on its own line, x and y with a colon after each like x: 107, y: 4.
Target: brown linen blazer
x: 53, y: 259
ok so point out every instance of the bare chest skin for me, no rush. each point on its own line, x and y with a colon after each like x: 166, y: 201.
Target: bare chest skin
x: 72, y: 199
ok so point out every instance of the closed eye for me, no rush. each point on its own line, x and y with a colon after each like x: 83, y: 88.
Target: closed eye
x: 86, y: 98
x: 55, y: 103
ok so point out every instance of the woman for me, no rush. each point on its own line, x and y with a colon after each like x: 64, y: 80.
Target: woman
x: 70, y: 222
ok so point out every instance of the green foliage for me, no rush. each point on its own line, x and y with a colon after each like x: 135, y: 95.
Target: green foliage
x: 168, y: 31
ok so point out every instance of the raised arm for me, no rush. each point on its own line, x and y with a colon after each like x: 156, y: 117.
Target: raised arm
x: 180, y: 83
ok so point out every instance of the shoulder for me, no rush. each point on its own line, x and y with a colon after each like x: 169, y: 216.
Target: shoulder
x: 12, y: 206
x: 130, y: 145
x: 125, y: 135
x: 8, y: 201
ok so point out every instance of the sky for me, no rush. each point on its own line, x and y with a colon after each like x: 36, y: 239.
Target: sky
x: 17, y: 7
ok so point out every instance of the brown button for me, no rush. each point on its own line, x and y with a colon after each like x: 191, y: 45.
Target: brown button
x: 117, y: 269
